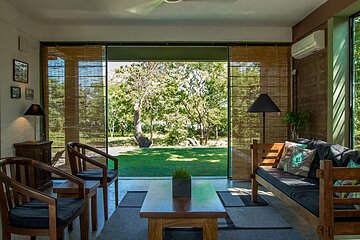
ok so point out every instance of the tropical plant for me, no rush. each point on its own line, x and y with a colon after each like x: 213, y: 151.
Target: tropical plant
x: 297, y: 120
x: 181, y: 173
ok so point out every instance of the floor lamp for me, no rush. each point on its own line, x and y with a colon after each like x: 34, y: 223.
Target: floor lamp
x: 263, y: 104
x: 35, y: 110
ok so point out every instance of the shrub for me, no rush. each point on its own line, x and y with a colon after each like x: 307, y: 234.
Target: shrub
x: 181, y: 173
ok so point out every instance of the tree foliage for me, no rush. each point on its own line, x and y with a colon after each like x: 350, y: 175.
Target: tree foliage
x: 182, y: 99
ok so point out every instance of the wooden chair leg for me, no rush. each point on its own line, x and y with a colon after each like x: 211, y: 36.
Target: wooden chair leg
x: 105, y: 199
x: 116, y: 193
x: 60, y: 234
x: 254, y: 190
x: 70, y: 228
x: 94, y: 213
x: 6, y: 235
x: 84, y: 231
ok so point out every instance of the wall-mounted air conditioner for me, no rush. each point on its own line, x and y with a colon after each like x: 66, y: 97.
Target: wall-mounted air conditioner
x: 308, y: 45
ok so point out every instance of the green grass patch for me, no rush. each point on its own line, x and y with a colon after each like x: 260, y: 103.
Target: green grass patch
x: 161, y: 162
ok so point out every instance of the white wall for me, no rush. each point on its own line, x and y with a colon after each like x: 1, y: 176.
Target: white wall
x: 15, y: 127
x: 166, y: 33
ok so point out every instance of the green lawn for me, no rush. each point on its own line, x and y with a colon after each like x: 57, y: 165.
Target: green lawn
x: 159, y: 162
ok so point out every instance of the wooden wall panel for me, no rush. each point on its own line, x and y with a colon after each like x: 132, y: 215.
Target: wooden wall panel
x: 311, y: 92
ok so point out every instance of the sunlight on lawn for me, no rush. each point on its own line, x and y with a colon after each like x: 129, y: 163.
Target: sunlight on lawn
x: 159, y: 162
x: 181, y: 159
x: 213, y: 161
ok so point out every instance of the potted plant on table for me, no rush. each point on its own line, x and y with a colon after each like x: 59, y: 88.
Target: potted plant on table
x: 181, y: 183
x: 296, y: 120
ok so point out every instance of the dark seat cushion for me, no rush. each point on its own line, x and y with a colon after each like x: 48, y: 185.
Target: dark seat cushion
x: 96, y: 174
x: 286, y: 181
x: 35, y: 214
x: 304, y: 191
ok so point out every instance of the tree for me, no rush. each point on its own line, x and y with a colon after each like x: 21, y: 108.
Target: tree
x: 119, y: 109
x: 142, y: 81
x: 203, y: 95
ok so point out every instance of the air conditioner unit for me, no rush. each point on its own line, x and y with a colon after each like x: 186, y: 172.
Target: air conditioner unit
x: 308, y: 45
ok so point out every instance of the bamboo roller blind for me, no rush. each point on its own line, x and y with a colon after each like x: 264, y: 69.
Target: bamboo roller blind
x: 255, y: 70
x: 74, y: 80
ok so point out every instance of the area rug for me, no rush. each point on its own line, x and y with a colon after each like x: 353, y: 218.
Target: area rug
x: 245, y: 220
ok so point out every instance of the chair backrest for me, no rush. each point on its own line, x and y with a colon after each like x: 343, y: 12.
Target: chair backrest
x: 76, y: 153
x: 15, y: 171
x: 79, y: 156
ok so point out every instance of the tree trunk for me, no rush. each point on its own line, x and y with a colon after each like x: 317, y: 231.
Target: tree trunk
x: 216, y: 133
x: 141, y: 140
x: 201, y: 134
x: 112, y: 130
x: 151, y: 127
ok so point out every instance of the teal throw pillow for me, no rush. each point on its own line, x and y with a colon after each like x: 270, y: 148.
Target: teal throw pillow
x: 288, y: 152
x: 300, y: 161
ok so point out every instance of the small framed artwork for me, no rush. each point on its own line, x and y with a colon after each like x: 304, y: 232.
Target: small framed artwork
x: 15, y: 92
x: 29, y: 93
x: 20, y: 71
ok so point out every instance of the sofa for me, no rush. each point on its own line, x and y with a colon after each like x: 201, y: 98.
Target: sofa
x: 320, y: 196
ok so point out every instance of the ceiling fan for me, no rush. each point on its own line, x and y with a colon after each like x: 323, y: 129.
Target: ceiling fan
x: 147, y: 7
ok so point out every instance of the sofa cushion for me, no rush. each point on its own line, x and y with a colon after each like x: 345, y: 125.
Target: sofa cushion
x: 300, y: 161
x: 322, y: 152
x: 304, y: 191
x: 286, y: 181
x: 35, y: 214
x: 340, y: 155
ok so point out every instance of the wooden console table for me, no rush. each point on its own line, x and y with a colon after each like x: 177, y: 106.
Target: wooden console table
x: 40, y: 151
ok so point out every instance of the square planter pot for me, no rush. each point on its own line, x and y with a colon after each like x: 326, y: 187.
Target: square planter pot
x: 181, y: 188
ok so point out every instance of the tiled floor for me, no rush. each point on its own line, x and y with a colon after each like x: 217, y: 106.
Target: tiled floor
x: 219, y: 184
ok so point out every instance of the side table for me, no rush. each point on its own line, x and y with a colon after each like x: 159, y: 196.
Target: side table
x: 69, y: 189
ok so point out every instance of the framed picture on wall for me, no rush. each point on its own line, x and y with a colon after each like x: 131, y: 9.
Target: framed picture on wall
x: 15, y: 92
x: 20, y: 71
x: 29, y: 93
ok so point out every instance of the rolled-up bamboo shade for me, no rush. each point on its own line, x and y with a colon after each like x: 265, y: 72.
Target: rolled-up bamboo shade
x: 75, y: 95
x: 255, y: 70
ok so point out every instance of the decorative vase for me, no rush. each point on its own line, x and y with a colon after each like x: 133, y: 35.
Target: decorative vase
x: 181, y: 187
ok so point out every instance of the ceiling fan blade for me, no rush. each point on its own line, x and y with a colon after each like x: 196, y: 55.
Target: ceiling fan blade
x: 145, y: 8
x: 213, y: 1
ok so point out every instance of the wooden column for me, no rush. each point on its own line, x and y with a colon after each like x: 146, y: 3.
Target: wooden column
x: 72, y: 129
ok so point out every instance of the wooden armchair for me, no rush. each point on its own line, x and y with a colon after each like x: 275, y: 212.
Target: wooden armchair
x: 27, y: 211
x: 79, y: 161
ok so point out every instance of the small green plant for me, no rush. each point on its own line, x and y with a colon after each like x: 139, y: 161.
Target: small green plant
x: 181, y: 173
x: 296, y: 120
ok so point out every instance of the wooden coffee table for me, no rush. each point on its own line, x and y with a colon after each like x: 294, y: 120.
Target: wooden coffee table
x: 201, y: 210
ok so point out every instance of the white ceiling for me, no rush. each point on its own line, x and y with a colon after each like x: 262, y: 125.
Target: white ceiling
x: 275, y: 13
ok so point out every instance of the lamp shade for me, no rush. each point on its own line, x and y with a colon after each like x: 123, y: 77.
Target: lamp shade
x: 35, y: 110
x: 263, y: 104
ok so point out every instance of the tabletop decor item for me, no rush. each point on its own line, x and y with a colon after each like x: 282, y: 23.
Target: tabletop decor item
x: 181, y: 183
